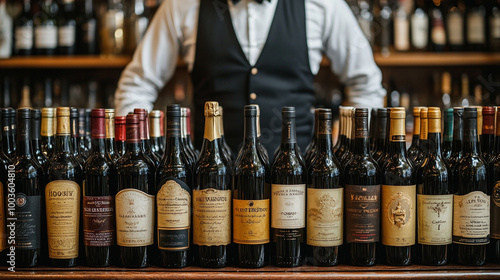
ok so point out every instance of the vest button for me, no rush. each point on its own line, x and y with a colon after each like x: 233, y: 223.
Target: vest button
x: 253, y: 96
x: 255, y: 71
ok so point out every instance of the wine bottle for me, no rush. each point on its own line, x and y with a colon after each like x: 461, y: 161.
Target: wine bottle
x: 479, y: 110
x: 5, y: 170
x: 487, y: 140
x: 109, y: 123
x: 13, y: 127
x: 434, y: 200
x: 373, y: 129
x: 447, y: 134
x: 401, y: 28
x: 398, y: 196
x: 350, y: 137
x: 212, y: 196
x: 383, y: 18
x: 163, y: 141
x: 414, y: 150
x: 494, y: 186
x: 227, y: 150
x: 471, y: 211
x: 188, y: 139
x: 380, y: 137
x: 84, y: 126
x: 325, y: 191
x: 288, y: 197
x: 260, y: 146
x: 420, y: 27
x: 341, y: 139
x: 136, y: 24
x: 251, y: 199
x: 173, y: 197
x: 28, y: 206
x: 87, y: 30
x: 47, y: 131
x: 494, y: 27
x: 7, y: 139
x: 144, y: 133
x: 362, y: 196
x: 66, y: 28
x: 419, y: 158
x: 62, y: 197
x: 311, y: 148
x: 135, y: 201
x: 75, y: 137
x: 154, y: 124
x: 45, y: 27
x: 121, y: 134
x: 36, y: 116
x: 23, y: 31
x: 438, y: 31
x: 476, y: 26
x: 99, y: 190
x: 455, y: 26
x: 456, y: 152
x: 184, y: 138
x: 382, y: 161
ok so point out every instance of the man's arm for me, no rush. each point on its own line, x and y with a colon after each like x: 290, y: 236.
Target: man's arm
x: 153, y: 64
x: 351, y: 56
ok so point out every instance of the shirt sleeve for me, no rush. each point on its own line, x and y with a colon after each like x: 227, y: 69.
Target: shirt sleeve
x: 154, y: 61
x: 351, y: 56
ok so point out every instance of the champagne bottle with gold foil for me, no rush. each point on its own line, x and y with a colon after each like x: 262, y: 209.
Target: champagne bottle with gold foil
x: 325, y: 194
x: 63, y: 196
x: 121, y: 134
x: 398, y: 217
x: 251, y: 198
x: 155, y: 129
x: 212, y: 196
x: 434, y: 199
x: 47, y: 131
x: 109, y: 122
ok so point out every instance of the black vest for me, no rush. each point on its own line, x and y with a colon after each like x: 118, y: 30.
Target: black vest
x: 282, y: 74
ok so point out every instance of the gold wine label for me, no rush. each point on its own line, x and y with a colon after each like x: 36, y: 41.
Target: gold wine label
x: 398, y: 215
x: 325, y: 217
x: 3, y: 229
x: 397, y: 130
x: 251, y: 221
x: 288, y: 206
x: 471, y: 218
x: 110, y: 123
x: 62, y: 198
x: 211, y: 217
x: 435, y: 219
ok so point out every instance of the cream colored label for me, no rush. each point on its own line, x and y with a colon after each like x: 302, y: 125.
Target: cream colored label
x: 288, y: 206
x: 134, y: 218
x: 62, y: 198
x: 475, y: 29
x: 455, y: 28
x: 398, y: 215
x: 435, y: 219
x: 211, y: 217
x: 438, y: 35
x: 325, y: 217
x: 495, y: 27
x: 401, y: 33
x: 251, y: 221
x: 173, y: 205
x: 471, y: 218
x: 3, y: 233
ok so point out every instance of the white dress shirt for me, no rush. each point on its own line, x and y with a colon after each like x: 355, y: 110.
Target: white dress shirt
x: 332, y: 30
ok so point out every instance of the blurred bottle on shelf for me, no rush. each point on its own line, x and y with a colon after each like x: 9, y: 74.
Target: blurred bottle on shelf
x: 111, y: 30
x: 25, y: 98
x: 476, y: 29
x: 382, y: 27
x: 45, y: 26
x: 66, y: 28
x: 438, y: 31
x: 136, y: 25
x: 5, y: 31
x: 446, y: 90
x: 419, y: 27
x: 455, y: 25
x: 365, y: 20
x: 87, y: 29
x: 494, y: 27
x: 23, y: 31
x: 401, y: 28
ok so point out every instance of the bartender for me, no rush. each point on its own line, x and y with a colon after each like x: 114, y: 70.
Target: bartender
x: 241, y: 52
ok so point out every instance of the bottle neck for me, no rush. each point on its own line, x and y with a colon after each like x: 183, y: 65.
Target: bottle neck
x: 134, y: 143
x: 448, y: 130
x: 324, y: 137
x: 434, y: 137
x: 362, y: 140
x: 89, y: 8
x: 24, y: 138
x: 470, y: 136
x: 458, y: 134
x: 212, y: 129
x: 63, y: 135
x: 250, y: 130
x: 6, y: 131
x: 398, y: 137
x: 288, y: 133
x: 173, y: 137
x: 35, y: 129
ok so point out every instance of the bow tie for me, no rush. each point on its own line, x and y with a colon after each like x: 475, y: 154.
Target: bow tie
x: 258, y: 1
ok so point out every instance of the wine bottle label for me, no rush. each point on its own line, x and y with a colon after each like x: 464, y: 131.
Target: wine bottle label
x: 401, y: 34
x: 89, y: 31
x: 495, y: 27
x: 455, y: 29
x: 288, y: 206
x: 24, y: 37
x: 3, y: 229
x: 362, y: 211
x: 28, y: 228
x: 438, y: 35
x: 475, y: 29
x: 435, y: 219
x: 419, y: 31
x: 173, y: 202
x: 66, y: 36
x: 62, y: 200
x: 325, y: 217
x: 211, y: 217
x: 134, y: 218
x: 98, y: 221
x: 398, y: 215
x: 495, y: 211
x: 251, y: 221
x: 46, y: 37
x: 471, y: 218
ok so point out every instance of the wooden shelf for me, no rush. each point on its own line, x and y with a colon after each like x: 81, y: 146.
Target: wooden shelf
x: 438, y: 59
x: 305, y: 272
x: 66, y: 62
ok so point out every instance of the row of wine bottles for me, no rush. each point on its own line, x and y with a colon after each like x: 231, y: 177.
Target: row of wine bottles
x: 391, y: 206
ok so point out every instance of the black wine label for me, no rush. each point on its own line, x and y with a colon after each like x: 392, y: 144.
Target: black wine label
x: 27, y: 213
x: 495, y: 211
x: 99, y: 221
x: 362, y: 213
x: 173, y: 239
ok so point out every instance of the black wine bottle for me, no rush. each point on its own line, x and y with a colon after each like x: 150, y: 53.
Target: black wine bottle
x: 487, y: 140
x: 86, y: 32
x: 28, y: 203
x: 380, y: 135
x: 155, y: 127
x: 45, y: 27
x: 99, y: 190
x: 36, y: 145
x: 144, y: 134
x: 471, y: 211
x: 362, y: 197
x: 75, y: 137
x: 458, y: 134
x: 350, y: 138
x: 121, y: 134
x: 184, y: 137
x: 251, y: 199
x: 311, y: 148
x: 173, y: 197
x: 23, y: 31
x: 227, y: 150
x: 62, y: 197
x: 66, y: 28
x: 111, y: 148
x: 47, y: 131
x: 288, y: 197
x: 84, y: 131
x: 494, y: 186
x: 7, y: 139
x: 420, y: 156
x: 414, y: 151
x: 5, y: 170
x: 398, y: 196
x: 260, y: 146
x: 447, y: 134
x: 373, y: 129
x: 135, y: 201
x: 434, y: 199
x: 324, y: 197
x: 384, y: 158
x: 212, y: 196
